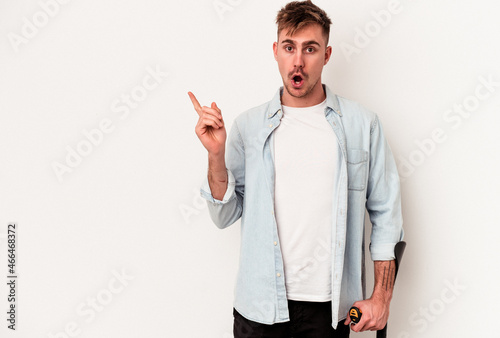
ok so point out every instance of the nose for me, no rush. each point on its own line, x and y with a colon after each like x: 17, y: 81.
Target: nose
x: 298, y: 61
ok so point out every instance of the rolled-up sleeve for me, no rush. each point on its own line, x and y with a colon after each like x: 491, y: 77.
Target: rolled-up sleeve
x: 383, y: 197
x: 229, y: 210
x: 206, y: 193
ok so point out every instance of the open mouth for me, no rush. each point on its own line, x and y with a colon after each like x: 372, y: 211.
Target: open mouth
x: 297, y: 81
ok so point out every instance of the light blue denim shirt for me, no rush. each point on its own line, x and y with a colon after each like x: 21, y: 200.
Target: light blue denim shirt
x: 366, y: 177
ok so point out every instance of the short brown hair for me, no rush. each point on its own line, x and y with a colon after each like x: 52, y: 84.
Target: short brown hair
x: 298, y: 14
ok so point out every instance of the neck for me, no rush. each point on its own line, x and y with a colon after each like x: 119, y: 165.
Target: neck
x: 316, y: 96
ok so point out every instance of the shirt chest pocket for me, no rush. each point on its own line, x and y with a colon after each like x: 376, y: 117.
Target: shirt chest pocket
x: 357, y: 166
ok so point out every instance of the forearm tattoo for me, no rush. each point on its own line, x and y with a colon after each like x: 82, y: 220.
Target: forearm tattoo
x: 388, y: 277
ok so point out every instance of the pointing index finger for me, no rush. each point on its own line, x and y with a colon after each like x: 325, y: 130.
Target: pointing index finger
x: 195, y: 102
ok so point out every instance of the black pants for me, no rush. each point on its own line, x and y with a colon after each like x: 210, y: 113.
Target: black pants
x: 307, y: 320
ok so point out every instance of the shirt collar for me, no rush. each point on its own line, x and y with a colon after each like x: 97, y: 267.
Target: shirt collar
x: 332, y: 102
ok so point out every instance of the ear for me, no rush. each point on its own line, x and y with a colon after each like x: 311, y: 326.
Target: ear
x: 275, y: 50
x: 328, y: 53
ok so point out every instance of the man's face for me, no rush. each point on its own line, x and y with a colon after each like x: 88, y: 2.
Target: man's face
x: 301, y: 59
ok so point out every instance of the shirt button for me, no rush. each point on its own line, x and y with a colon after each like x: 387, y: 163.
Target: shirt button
x: 275, y: 243
x: 270, y: 126
x: 278, y: 274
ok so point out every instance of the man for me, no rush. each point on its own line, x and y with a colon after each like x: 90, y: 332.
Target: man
x: 299, y: 170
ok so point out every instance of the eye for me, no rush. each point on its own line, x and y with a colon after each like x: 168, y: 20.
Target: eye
x: 310, y: 49
x: 289, y: 48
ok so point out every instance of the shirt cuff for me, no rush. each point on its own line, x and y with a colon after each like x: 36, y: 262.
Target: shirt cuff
x: 206, y: 193
x: 382, y: 252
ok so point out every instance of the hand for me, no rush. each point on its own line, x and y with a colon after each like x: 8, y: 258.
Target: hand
x: 210, y: 128
x: 374, y: 316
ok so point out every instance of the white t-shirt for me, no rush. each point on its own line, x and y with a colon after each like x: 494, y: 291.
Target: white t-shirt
x: 305, y: 153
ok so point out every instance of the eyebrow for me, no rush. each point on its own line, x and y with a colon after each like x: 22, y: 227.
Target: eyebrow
x: 305, y: 43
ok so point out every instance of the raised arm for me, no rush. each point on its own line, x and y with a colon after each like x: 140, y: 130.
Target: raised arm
x: 224, y: 187
x: 211, y: 131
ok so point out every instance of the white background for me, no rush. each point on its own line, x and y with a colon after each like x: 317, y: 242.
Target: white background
x: 131, y: 206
